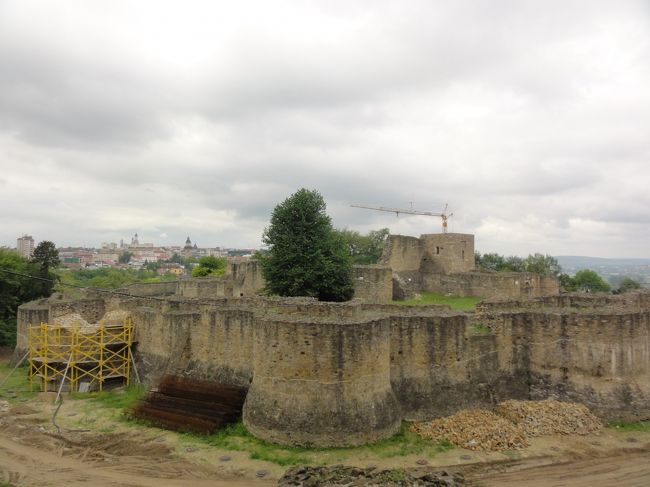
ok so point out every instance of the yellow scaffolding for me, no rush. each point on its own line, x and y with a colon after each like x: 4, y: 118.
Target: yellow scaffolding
x: 79, y: 354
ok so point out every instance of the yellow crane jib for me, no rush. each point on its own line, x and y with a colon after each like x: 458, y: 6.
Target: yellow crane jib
x: 443, y: 215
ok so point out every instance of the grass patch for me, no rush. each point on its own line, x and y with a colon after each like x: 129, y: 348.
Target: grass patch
x: 460, y: 303
x: 480, y: 329
x: 405, y: 443
x: 236, y: 437
x: 118, y: 399
x: 18, y: 384
x: 641, y: 426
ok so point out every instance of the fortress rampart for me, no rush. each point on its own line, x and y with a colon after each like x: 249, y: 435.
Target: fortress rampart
x: 347, y: 373
x: 444, y: 263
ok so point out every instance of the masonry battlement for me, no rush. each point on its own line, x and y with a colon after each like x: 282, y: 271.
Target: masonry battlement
x: 442, y: 253
x: 335, y: 374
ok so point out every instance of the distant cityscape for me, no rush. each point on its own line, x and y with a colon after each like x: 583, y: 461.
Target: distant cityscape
x: 132, y: 255
x: 112, y: 254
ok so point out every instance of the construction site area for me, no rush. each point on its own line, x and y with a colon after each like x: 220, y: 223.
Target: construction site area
x: 205, y: 382
x: 95, y: 444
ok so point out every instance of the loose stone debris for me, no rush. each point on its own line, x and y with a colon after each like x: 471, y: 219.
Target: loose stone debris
x: 474, y: 429
x: 339, y: 475
x: 510, y: 425
x: 539, y: 418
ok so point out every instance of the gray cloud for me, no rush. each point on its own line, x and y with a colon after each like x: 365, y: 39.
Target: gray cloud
x: 530, y: 121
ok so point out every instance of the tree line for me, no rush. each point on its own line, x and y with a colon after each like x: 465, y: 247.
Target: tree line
x: 585, y: 280
x: 16, y: 287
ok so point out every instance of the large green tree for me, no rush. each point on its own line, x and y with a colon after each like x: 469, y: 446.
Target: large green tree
x: 364, y: 249
x: 585, y: 280
x: 46, y: 259
x: 543, y: 264
x: 305, y: 256
x: 16, y: 287
x: 537, y: 263
x: 628, y: 284
x: 209, y: 266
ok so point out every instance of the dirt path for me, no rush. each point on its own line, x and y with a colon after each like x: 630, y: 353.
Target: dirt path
x: 631, y: 469
x: 28, y: 466
x: 32, y: 456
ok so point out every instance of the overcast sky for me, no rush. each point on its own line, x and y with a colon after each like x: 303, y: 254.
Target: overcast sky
x: 169, y: 119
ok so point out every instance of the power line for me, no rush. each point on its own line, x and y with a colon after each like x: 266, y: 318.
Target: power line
x: 76, y: 286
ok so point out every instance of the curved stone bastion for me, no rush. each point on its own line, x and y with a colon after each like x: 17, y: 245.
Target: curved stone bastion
x: 321, y: 382
x: 339, y: 374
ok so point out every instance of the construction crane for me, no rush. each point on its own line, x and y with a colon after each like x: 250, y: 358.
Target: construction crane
x: 443, y: 215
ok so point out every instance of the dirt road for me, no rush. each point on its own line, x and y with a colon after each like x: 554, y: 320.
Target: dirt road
x: 630, y: 469
x: 32, y: 456
x: 23, y: 465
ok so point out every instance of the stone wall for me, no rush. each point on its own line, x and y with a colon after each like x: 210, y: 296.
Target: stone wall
x: 575, y: 301
x: 247, y: 277
x: 321, y: 383
x: 441, y: 364
x: 598, y: 359
x: 447, y: 253
x: 347, y: 373
x: 504, y: 285
x: 373, y: 283
x: 44, y: 310
x: 206, y: 287
x: 402, y: 253
x: 166, y: 288
x: 444, y: 263
x: 436, y: 253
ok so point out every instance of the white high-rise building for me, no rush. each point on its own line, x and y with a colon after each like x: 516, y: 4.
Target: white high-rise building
x: 25, y: 246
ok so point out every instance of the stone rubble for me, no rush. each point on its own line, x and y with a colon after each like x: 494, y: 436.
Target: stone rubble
x: 474, y: 429
x: 549, y: 417
x: 510, y: 425
x: 342, y: 476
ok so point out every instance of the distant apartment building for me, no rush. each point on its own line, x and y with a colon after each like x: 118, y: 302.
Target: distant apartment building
x: 25, y: 246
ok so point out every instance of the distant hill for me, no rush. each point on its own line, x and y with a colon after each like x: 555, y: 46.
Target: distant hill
x: 582, y: 262
x: 612, y: 270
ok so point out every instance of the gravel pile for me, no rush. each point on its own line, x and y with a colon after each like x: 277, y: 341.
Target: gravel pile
x: 510, y: 425
x: 474, y: 429
x: 338, y: 475
x: 538, y: 418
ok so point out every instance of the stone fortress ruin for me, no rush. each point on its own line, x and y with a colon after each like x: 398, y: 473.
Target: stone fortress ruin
x: 337, y: 374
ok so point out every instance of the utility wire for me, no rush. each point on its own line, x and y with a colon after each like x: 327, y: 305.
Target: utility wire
x: 76, y: 286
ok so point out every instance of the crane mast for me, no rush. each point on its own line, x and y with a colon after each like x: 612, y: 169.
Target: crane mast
x: 443, y: 215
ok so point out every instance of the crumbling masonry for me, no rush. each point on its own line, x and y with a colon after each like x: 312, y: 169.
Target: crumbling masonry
x: 348, y: 373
